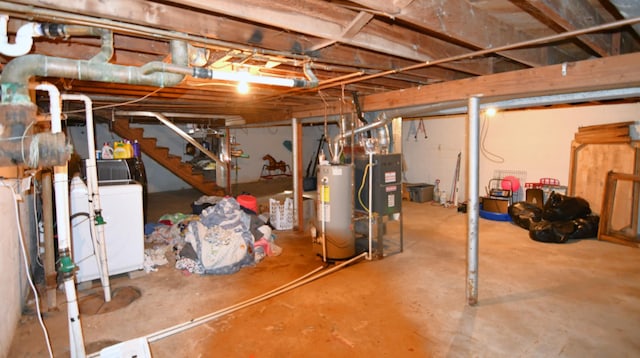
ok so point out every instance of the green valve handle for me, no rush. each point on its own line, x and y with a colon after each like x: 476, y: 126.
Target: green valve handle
x: 66, y: 265
x: 99, y: 220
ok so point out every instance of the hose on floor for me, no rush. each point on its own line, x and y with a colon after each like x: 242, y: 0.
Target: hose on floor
x: 302, y: 280
x: 265, y: 296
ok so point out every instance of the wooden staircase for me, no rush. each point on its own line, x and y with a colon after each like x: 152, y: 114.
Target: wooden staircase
x: 173, y: 163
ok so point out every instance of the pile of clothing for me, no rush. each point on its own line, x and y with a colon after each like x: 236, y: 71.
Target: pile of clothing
x: 222, y: 239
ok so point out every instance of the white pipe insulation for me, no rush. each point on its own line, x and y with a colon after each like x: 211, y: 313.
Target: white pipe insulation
x: 24, y: 38
x: 61, y: 186
x: 370, y: 208
x: 296, y: 174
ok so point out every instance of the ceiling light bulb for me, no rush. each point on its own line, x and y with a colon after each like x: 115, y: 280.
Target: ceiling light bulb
x: 243, y: 87
x: 491, y: 111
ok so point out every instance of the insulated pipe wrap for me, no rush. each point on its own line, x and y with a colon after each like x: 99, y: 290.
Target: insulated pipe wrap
x: 53, y: 30
x: 42, y: 149
x: 17, y: 145
x: 14, y: 118
x: 17, y: 112
x: 16, y: 74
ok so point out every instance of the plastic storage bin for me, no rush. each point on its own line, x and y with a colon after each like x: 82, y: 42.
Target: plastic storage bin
x: 420, y: 193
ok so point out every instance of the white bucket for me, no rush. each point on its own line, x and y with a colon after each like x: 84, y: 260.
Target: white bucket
x: 443, y: 197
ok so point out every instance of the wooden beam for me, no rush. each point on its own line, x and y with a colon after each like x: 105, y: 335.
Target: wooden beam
x: 327, y: 20
x: 351, y: 30
x: 466, y: 24
x: 232, y: 31
x: 573, y: 15
x: 50, y: 273
x: 81, y: 51
x: 628, y: 9
x: 590, y: 75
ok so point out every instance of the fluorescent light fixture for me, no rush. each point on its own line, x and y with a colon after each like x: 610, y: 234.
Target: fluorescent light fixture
x: 312, y: 81
x: 249, y: 78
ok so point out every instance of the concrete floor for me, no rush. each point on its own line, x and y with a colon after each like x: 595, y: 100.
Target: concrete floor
x: 579, y: 299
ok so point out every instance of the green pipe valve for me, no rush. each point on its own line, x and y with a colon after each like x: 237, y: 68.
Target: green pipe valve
x: 66, y: 265
x: 99, y: 219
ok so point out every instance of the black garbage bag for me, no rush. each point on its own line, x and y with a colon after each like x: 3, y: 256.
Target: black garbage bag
x: 585, y: 227
x: 542, y: 231
x: 548, y: 231
x: 563, y: 230
x: 523, y: 214
x: 564, y: 208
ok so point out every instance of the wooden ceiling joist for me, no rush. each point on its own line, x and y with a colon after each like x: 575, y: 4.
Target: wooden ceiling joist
x: 393, y: 53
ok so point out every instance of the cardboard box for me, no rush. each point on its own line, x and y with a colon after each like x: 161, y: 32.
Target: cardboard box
x: 495, y: 205
x: 405, y: 192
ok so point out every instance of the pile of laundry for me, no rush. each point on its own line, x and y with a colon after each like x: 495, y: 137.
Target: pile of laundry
x: 222, y: 239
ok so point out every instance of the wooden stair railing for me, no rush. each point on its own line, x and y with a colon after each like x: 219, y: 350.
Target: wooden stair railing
x: 172, y: 162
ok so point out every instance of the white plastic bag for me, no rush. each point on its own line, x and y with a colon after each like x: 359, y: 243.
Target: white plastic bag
x: 281, y: 215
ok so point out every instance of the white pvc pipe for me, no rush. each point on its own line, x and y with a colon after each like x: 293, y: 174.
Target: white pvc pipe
x: 97, y: 230
x: 214, y: 315
x: 24, y: 38
x: 473, y: 209
x: 370, y: 209
x: 206, y: 318
x: 61, y: 187
x: 285, y: 288
x: 296, y: 187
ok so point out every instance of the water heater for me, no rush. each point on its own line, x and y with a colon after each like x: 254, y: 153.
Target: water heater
x: 335, y: 211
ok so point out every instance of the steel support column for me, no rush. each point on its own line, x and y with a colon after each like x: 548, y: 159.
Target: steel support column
x: 473, y: 208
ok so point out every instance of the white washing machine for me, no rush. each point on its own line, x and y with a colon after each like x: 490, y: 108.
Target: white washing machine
x: 124, y: 229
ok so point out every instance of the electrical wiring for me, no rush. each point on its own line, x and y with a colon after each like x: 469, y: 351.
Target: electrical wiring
x: 364, y: 177
x: 116, y: 104
x: 34, y: 141
x: 36, y: 220
x: 87, y: 217
x: 27, y: 271
x: 325, y: 126
x: 484, y: 130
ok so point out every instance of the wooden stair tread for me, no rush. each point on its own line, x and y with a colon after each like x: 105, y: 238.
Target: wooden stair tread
x: 170, y: 161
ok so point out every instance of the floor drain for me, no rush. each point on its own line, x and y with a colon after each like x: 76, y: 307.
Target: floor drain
x: 94, y: 303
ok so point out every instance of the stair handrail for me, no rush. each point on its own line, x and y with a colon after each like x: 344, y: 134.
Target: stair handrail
x: 176, y: 129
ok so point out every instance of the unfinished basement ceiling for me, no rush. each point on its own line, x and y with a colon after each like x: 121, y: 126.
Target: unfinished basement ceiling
x: 362, y: 47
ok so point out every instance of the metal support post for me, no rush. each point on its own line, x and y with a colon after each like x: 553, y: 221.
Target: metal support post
x: 473, y: 208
